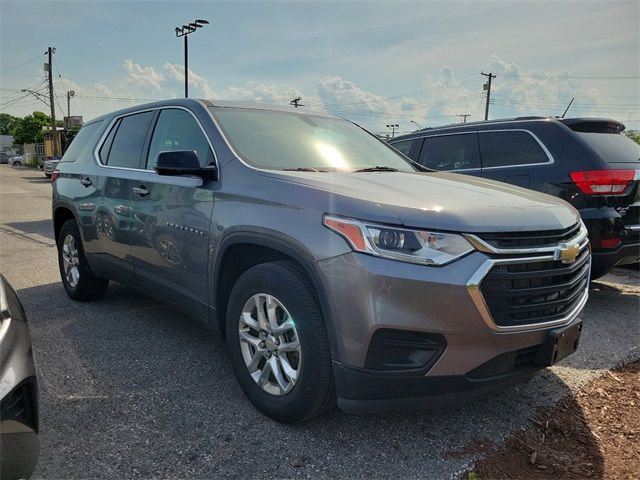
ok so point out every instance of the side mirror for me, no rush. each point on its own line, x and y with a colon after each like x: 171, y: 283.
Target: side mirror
x: 183, y: 162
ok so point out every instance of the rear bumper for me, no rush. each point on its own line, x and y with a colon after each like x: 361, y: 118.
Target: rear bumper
x: 607, y: 224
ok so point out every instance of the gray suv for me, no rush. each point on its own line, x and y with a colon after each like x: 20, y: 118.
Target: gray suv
x: 336, y: 268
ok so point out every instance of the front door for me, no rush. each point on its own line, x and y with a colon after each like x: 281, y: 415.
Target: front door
x: 171, y: 246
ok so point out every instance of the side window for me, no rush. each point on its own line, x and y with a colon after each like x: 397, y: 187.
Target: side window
x: 178, y: 130
x: 404, y: 146
x: 507, y: 148
x: 124, y: 148
x: 450, y: 152
x: 86, y: 136
x: 106, y: 145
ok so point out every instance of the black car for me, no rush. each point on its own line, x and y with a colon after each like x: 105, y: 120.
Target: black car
x: 19, y: 441
x: 585, y: 161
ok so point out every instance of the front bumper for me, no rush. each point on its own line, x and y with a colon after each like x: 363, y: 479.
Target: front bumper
x: 367, y: 294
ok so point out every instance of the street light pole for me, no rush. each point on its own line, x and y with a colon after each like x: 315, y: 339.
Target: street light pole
x: 184, y: 31
x: 70, y: 93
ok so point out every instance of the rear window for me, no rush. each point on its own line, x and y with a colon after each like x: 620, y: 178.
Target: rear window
x: 613, y: 147
x: 509, y: 148
x: 128, y: 142
x: 86, y: 136
x: 450, y: 152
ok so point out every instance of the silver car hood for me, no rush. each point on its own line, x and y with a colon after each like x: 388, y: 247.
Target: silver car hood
x: 444, y: 201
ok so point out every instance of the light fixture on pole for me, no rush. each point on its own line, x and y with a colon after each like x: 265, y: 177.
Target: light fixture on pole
x: 70, y: 93
x: 417, y: 124
x: 393, y: 127
x: 184, y: 31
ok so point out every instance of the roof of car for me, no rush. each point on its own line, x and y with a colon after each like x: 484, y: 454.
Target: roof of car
x: 190, y: 102
x: 501, y: 121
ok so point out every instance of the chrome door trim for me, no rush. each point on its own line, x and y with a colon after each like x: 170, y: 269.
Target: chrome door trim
x: 96, y: 151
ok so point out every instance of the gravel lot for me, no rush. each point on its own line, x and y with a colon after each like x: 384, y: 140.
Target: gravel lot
x: 132, y: 388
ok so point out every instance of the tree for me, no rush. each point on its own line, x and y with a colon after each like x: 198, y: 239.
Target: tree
x: 7, y: 122
x: 633, y: 135
x: 29, y: 129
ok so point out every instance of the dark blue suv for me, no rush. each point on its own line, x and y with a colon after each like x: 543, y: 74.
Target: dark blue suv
x: 585, y: 161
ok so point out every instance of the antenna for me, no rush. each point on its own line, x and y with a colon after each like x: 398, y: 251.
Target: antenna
x: 567, y: 109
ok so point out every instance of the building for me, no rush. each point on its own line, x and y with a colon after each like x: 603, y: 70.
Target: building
x: 6, y: 145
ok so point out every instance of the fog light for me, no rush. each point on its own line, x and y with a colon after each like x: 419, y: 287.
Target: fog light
x: 401, y: 350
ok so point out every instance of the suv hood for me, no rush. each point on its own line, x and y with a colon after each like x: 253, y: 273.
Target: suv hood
x: 445, y: 201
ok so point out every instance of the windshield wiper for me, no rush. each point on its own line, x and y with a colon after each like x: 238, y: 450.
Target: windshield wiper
x: 303, y: 169
x: 377, y: 169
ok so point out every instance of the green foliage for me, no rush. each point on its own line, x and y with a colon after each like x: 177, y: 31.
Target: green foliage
x: 633, y: 135
x: 7, y: 122
x: 29, y: 129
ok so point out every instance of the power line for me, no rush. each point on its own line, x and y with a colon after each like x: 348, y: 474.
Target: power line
x: 23, y: 64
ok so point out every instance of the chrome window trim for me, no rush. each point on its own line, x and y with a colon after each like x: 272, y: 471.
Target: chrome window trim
x: 481, y: 245
x: 473, y: 287
x: 550, y: 161
x: 633, y: 228
x: 96, y: 151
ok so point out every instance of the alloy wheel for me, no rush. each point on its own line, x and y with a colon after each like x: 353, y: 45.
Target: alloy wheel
x: 270, y: 344
x: 71, y: 261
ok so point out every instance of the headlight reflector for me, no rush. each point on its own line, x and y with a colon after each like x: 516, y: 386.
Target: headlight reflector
x: 414, y: 246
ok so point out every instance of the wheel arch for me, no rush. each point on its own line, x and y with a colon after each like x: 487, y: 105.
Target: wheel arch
x: 61, y: 214
x: 240, y: 250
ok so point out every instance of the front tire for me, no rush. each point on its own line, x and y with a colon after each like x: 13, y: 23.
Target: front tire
x: 278, y: 343
x: 77, y: 278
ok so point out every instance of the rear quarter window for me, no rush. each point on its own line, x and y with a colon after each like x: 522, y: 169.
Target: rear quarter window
x: 86, y: 137
x: 613, y: 147
x: 509, y: 148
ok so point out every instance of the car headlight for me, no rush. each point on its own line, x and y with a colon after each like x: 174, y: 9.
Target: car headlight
x: 414, y: 246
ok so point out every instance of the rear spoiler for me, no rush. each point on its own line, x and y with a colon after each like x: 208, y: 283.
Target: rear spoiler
x: 593, y: 125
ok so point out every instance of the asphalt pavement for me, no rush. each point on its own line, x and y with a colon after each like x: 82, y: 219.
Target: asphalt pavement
x: 131, y: 388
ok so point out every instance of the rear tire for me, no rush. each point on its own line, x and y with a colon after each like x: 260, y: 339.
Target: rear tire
x: 77, y: 278
x: 286, y: 295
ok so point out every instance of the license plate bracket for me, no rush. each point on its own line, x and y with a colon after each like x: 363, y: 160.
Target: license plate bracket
x: 560, y: 343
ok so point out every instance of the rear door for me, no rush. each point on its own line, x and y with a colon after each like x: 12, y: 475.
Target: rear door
x: 113, y: 222
x: 512, y: 156
x: 455, y: 152
x: 171, y: 246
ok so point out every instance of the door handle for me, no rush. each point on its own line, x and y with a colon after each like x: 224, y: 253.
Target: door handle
x: 141, y: 191
x: 86, y: 181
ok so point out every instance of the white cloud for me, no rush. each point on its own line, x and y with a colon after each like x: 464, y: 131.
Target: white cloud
x: 142, y: 76
x: 259, y: 92
x: 176, y: 72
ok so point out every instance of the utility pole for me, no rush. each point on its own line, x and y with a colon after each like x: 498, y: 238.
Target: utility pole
x: 487, y: 87
x: 463, y: 117
x: 393, y: 127
x: 54, y: 133
x: 296, y: 102
x: 70, y: 93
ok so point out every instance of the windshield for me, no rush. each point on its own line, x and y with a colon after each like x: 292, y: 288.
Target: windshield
x: 613, y: 147
x: 293, y: 141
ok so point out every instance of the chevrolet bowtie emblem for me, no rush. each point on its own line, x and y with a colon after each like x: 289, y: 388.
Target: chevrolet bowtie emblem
x: 567, y: 253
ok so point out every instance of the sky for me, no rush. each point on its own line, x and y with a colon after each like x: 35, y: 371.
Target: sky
x: 376, y: 63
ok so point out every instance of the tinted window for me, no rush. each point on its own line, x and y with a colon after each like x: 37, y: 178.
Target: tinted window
x: 502, y: 149
x: 106, y: 145
x: 178, y: 130
x: 86, y: 136
x: 288, y: 140
x: 128, y: 142
x: 404, y: 146
x: 613, y: 147
x: 450, y: 152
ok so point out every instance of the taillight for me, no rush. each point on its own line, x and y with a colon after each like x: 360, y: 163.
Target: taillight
x: 602, y: 182
x: 54, y: 175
